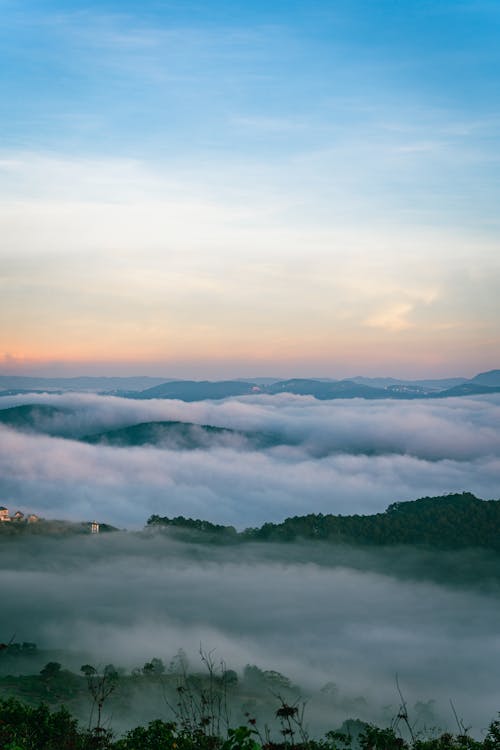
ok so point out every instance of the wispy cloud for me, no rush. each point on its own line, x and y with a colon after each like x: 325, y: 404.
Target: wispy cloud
x: 246, y: 182
x: 393, y: 318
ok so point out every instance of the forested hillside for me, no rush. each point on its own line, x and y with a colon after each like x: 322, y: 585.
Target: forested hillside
x: 454, y: 521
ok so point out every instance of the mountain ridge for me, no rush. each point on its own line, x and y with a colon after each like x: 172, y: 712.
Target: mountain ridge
x: 320, y: 388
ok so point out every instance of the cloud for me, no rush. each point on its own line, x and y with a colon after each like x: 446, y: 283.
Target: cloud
x: 304, y: 610
x: 331, y: 457
x: 180, y: 262
x: 317, y: 613
x: 394, y: 318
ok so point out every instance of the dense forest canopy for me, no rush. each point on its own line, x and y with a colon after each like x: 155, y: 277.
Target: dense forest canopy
x: 453, y: 521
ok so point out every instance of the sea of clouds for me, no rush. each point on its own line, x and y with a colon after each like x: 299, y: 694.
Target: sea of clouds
x: 352, y: 456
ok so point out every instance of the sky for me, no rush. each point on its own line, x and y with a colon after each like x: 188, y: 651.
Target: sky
x: 231, y: 189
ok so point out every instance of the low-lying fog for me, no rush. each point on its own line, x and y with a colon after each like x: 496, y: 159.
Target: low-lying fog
x: 350, y: 456
x: 125, y: 598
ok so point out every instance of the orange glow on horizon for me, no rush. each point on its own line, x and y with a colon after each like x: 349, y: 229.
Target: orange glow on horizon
x: 340, y: 358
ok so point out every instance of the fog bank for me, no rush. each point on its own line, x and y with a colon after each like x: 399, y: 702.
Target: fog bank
x: 126, y: 598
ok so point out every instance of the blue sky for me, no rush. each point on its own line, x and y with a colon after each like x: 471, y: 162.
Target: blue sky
x: 328, y: 133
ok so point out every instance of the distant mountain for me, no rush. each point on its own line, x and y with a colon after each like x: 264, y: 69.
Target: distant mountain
x: 467, y: 389
x: 320, y: 388
x: 182, y: 436
x: 93, y: 384
x: 425, y: 384
x: 490, y: 378
x: 438, y: 384
x: 37, y: 417
x: 194, y: 390
x: 258, y: 381
x: 326, y: 390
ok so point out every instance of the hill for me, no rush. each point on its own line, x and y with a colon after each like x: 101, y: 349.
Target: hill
x: 467, y: 389
x: 25, y: 383
x: 39, y: 417
x: 454, y: 521
x: 490, y: 378
x: 50, y: 527
x: 322, y: 389
x: 194, y: 390
x: 426, y: 384
x: 326, y: 390
x: 181, y: 436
